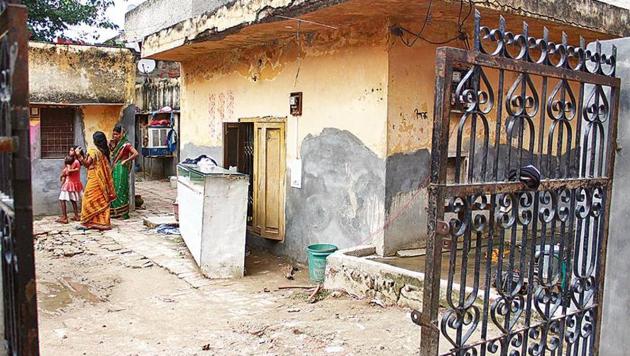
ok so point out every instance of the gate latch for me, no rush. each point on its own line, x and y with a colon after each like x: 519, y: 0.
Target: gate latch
x: 416, y: 317
x: 442, y: 228
x: 8, y: 144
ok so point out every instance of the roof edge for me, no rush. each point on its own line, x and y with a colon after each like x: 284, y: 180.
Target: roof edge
x: 593, y: 15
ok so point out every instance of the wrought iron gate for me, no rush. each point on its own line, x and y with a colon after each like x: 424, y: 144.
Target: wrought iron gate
x: 525, y: 265
x: 16, y: 225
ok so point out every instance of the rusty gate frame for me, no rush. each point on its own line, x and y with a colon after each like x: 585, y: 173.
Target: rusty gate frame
x: 565, y: 198
x: 16, y: 219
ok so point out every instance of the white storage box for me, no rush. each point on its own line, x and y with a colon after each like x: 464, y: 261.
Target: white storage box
x: 213, y: 218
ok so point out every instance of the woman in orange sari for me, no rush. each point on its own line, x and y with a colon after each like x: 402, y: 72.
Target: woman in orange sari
x: 99, y: 191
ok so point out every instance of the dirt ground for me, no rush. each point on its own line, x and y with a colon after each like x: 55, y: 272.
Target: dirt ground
x: 133, y: 291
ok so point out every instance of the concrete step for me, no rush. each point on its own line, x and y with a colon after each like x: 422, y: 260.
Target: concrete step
x: 154, y: 221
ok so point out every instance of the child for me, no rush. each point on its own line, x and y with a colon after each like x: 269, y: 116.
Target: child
x: 71, y: 186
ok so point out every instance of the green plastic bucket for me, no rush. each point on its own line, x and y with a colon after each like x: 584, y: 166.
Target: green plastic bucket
x: 317, y: 254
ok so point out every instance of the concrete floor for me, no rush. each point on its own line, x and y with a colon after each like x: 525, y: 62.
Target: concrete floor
x: 132, y: 291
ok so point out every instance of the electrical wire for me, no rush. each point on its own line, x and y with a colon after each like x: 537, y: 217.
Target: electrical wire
x: 461, y: 35
x: 426, y: 17
x: 299, y: 58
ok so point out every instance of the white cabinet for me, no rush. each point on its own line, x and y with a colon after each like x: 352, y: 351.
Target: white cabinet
x: 213, y: 218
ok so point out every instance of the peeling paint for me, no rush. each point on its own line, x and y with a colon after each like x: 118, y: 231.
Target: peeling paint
x: 72, y: 74
x: 266, y: 61
x: 100, y: 118
x: 232, y: 22
x: 340, y: 89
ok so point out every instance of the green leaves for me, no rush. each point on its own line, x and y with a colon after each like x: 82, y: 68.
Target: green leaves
x: 48, y: 19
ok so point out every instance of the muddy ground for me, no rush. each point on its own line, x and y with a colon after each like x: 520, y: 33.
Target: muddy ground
x: 135, y: 292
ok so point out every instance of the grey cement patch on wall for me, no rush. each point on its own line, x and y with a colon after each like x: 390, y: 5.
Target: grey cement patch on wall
x: 406, y: 172
x: 615, y: 322
x: 342, y: 196
x: 406, y: 200
x: 46, y: 185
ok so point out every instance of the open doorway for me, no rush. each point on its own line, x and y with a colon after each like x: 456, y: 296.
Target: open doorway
x: 256, y: 147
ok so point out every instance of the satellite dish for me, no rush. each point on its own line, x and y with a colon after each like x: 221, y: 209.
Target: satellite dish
x: 146, y: 66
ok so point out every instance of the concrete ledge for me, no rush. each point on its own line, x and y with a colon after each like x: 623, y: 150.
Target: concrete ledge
x: 225, y: 21
x: 350, y: 270
x: 359, y: 251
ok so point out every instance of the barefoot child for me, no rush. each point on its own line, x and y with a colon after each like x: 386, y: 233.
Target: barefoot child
x: 71, y: 186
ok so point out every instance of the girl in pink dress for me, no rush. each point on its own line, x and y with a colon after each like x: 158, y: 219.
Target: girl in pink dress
x: 71, y: 187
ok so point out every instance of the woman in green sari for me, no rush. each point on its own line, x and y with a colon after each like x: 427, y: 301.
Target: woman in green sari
x: 123, y: 154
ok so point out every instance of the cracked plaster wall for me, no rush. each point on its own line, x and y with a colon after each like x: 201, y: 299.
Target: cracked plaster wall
x: 73, y: 74
x: 594, y: 16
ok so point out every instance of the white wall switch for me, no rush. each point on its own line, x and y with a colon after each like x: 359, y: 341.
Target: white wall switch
x: 296, y: 173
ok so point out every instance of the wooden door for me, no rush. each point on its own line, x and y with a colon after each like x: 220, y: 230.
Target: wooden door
x: 269, y: 179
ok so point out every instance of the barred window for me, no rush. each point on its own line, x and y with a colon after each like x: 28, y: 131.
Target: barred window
x: 56, y: 131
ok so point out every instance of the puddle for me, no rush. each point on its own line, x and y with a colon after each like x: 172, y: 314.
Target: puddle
x: 56, y: 296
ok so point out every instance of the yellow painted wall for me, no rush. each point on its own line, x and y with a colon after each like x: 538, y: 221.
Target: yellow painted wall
x: 344, y: 86
x: 100, y: 118
x: 411, y: 90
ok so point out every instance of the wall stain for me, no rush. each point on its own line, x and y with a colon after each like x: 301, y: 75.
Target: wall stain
x: 341, y: 199
x: 267, y: 60
x: 80, y: 74
x: 407, y: 177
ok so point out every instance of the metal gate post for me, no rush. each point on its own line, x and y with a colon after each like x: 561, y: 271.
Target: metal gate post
x: 18, y: 269
x: 430, y: 332
x: 601, y: 268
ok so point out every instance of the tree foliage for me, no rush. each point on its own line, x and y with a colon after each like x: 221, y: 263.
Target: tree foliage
x: 48, y: 19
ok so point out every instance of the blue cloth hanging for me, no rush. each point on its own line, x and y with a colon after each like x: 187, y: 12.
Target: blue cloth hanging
x: 171, y: 140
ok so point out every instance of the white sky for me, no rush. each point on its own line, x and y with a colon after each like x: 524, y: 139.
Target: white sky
x: 117, y: 14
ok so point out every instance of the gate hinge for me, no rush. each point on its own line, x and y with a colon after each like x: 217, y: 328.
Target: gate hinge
x: 8, y: 144
x: 416, y: 318
x: 442, y: 227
